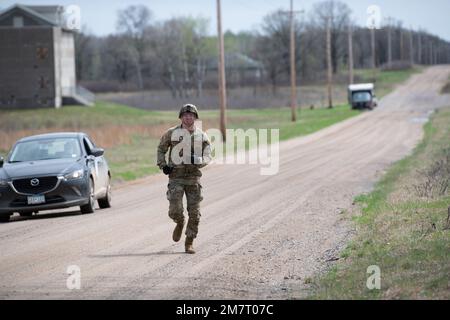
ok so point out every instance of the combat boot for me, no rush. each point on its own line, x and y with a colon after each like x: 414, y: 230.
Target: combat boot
x: 189, y: 245
x: 177, y: 232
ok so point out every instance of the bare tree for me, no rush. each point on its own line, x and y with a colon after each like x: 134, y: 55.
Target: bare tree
x: 133, y: 22
x: 175, y: 53
x: 195, y: 52
x: 119, y: 58
x: 82, y: 41
x: 273, y: 46
x: 181, y: 54
x: 339, y: 15
x: 350, y: 54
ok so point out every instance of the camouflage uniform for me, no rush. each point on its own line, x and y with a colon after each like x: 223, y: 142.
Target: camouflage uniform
x: 185, y: 177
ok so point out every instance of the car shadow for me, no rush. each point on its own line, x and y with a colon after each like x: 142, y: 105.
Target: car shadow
x: 52, y: 215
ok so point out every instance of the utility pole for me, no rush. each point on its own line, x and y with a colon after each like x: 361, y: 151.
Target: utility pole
x: 447, y: 54
x: 436, y: 54
x: 419, y: 49
x: 401, y: 44
x: 350, y: 54
x: 389, y: 42
x: 411, y: 46
x: 431, y: 53
x: 221, y: 69
x: 374, y: 63
x: 293, y: 68
x: 330, y: 67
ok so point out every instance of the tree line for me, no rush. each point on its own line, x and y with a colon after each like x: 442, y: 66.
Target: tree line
x: 179, y: 55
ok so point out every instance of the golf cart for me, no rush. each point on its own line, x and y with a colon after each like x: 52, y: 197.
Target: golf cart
x: 362, y: 96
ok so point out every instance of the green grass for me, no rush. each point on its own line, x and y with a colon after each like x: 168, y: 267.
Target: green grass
x: 104, y: 113
x: 134, y: 157
x: 407, y: 236
x: 308, y: 121
x: 133, y: 161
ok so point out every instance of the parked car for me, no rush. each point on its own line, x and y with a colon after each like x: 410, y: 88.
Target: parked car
x: 362, y: 96
x: 53, y: 171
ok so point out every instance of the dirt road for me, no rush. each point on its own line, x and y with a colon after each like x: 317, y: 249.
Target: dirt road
x: 260, y: 236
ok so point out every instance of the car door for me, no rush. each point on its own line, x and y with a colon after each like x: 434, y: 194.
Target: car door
x: 99, y: 167
x: 103, y: 171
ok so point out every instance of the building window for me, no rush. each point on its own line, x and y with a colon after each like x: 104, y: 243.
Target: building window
x: 43, y: 82
x: 42, y: 53
x: 18, y: 22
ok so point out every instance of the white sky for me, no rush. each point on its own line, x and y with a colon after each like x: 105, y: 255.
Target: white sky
x: 239, y: 15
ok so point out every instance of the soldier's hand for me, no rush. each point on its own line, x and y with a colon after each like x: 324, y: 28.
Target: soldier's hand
x: 195, y: 159
x: 167, y: 170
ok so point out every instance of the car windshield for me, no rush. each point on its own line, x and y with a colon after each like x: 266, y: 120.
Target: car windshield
x: 362, y: 96
x: 46, y: 149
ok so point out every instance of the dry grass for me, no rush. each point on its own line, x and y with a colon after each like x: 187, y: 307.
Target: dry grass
x: 104, y: 136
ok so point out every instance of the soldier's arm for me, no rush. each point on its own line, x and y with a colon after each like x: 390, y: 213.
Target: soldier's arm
x: 163, y: 147
x: 206, y: 149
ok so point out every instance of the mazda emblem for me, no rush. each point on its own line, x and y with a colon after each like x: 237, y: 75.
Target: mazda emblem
x: 34, y: 182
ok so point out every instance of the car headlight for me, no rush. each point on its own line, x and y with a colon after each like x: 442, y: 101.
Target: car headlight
x: 3, y: 183
x: 78, y: 174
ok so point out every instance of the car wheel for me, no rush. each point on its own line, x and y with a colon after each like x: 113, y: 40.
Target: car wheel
x: 5, y: 217
x: 26, y: 214
x: 90, y: 207
x: 106, y: 201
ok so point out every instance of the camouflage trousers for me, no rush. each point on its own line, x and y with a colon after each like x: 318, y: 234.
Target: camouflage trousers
x: 175, y: 193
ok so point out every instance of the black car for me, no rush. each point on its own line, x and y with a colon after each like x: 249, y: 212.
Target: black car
x: 53, y: 171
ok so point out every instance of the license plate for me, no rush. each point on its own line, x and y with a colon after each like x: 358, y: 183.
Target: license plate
x: 36, y: 199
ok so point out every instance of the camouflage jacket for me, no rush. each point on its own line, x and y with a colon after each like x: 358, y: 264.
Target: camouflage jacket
x: 184, y: 170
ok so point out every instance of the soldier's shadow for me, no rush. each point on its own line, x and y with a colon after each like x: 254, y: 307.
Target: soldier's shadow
x: 131, y: 255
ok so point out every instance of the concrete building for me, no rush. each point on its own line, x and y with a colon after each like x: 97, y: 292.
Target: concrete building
x: 37, y: 59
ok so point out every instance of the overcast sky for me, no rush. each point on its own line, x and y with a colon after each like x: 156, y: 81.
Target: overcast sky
x: 239, y: 15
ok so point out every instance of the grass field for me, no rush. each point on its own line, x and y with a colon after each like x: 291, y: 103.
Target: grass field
x: 130, y: 136
x: 260, y: 97
x: 403, y: 227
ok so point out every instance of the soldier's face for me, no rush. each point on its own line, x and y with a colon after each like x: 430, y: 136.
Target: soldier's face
x: 188, y: 119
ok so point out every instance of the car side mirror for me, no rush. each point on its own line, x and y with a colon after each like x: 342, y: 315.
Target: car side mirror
x: 1, y: 161
x: 97, y: 152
